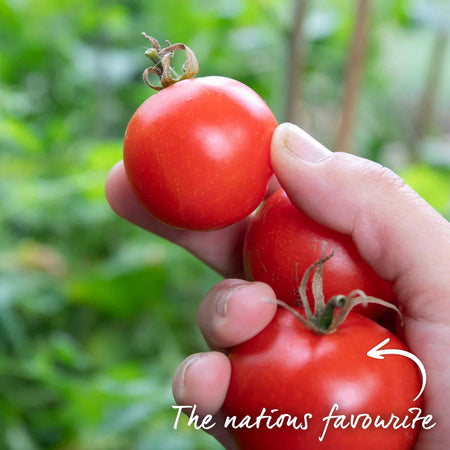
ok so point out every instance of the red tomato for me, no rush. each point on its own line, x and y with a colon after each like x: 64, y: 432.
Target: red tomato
x: 197, y: 152
x: 282, y: 243
x: 296, y: 371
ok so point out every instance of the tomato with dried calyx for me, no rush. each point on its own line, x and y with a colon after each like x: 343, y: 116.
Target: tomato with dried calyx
x: 197, y: 153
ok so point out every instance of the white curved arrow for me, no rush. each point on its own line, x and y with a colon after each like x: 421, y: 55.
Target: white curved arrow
x: 376, y: 353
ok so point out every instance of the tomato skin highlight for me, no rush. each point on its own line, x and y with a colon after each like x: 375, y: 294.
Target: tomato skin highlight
x: 197, y: 153
x: 292, y: 369
x: 282, y: 243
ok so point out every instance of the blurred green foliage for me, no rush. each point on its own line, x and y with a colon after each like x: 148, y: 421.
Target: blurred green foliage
x: 95, y: 314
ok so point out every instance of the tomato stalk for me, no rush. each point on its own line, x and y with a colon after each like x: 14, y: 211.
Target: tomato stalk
x: 162, y: 68
x: 324, y: 320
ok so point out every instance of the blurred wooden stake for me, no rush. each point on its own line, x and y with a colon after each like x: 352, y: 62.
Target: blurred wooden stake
x: 427, y: 103
x: 296, y: 61
x: 353, y: 76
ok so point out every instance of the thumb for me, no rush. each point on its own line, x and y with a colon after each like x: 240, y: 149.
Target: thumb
x: 396, y: 232
x: 402, y: 237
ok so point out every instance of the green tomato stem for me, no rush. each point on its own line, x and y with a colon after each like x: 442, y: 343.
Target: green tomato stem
x: 324, y: 320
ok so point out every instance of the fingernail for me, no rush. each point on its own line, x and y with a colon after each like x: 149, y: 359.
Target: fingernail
x: 302, y: 145
x: 224, y: 297
x: 180, y: 374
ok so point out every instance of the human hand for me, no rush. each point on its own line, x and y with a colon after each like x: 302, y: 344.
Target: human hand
x: 395, y: 231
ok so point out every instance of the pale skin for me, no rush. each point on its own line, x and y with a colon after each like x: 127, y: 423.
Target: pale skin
x: 400, y: 235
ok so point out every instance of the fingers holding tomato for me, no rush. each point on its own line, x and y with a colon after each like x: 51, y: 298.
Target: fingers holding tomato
x: 196, y: 156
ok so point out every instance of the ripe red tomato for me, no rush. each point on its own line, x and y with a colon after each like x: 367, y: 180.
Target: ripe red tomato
x: 296, y: 371
x: 282, y: 242
x: 197, y: 152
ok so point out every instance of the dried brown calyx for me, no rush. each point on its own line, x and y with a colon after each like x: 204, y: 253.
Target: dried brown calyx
x: 161, y: 59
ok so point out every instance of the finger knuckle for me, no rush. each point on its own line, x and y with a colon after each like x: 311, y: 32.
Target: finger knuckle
x: 388, y: 178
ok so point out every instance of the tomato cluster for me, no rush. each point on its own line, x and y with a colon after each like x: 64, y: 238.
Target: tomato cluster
x: 197, y: 156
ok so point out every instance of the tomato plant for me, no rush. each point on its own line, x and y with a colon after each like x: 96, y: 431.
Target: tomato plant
x: 282, y: 242
x: 304, y: 365
x: 197, y: 153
